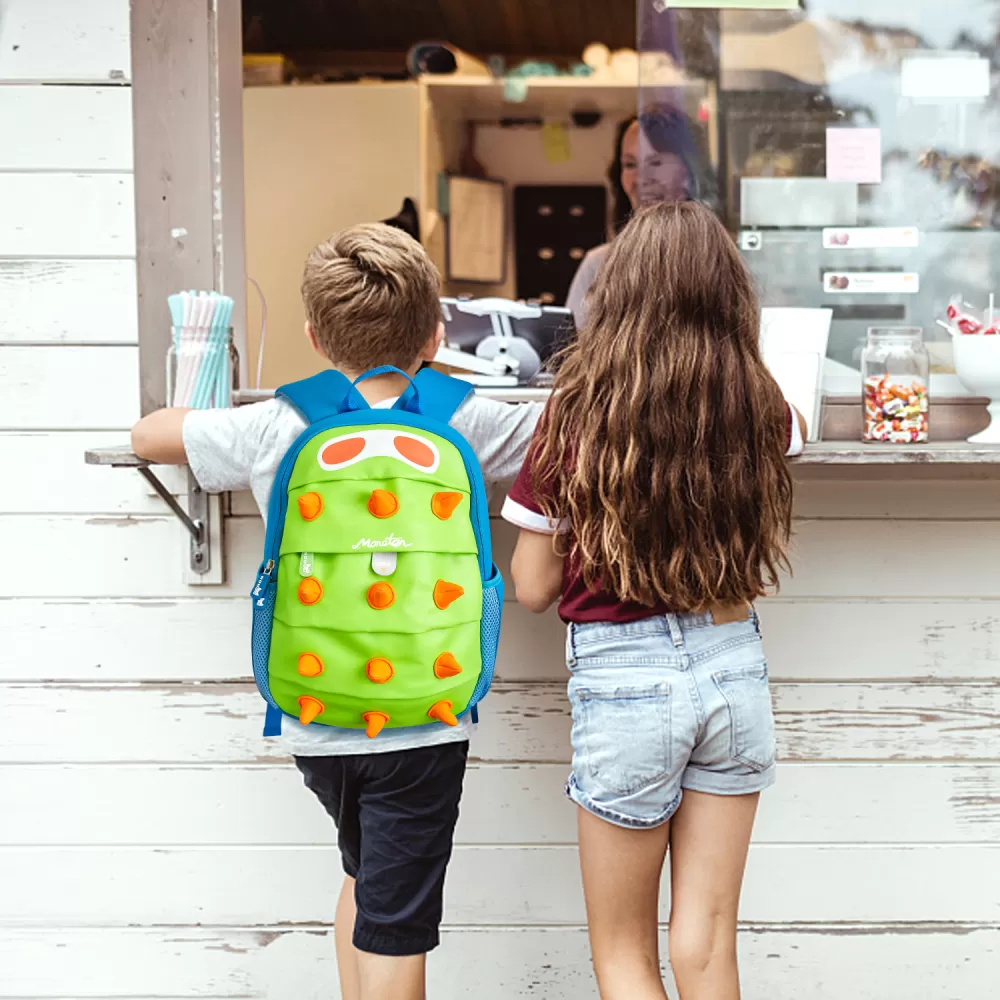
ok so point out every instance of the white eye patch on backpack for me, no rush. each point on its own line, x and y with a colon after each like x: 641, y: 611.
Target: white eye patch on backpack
x: 417, y: 452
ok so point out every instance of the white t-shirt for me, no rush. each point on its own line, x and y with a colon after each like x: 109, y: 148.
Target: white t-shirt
x: 241, y: 449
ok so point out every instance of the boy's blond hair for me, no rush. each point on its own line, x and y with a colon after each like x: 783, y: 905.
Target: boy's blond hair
x: 372, y: 297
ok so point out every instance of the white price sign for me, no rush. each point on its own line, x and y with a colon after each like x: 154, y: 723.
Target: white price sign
x: 871, y: 283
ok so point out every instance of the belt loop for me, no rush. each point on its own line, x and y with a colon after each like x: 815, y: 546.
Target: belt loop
x: 570, y: 645
x: 674, y: 628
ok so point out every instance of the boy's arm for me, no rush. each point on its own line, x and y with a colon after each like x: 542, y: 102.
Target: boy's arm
x: 220, y: 446
x: 159, y: 437
x: 498, y: 432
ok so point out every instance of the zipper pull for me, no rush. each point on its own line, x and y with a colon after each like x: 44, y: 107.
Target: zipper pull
x: 263, y: 582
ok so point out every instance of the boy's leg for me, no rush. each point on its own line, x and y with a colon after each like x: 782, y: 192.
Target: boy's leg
x: 408, y: 804
x: 334, y: 781
x: 708, y: 851
x: 343, y: 932
x: 621, y: 882
x: 385, y: 977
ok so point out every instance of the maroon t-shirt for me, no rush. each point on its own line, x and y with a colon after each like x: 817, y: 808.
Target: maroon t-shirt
x: 578, y: 603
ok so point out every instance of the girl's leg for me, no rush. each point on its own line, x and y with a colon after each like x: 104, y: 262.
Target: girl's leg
x: 343, y: 933
x: 709, y: 840
x: 621, y: 882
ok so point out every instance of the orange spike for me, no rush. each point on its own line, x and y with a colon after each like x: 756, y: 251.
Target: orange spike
x: 381, y: 595
x: 445, y: 593
x: 443, y: 713
x: 311, y: 708
x: 443, y: 504
x: 375, y: 723
x: 379, y: 670
x: 310, y: 506
x: 382, y: 503
x: 310, y: 665
x: 446, y: 666
x: 310, y: 590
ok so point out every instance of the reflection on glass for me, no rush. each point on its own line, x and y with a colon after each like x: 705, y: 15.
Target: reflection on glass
x: 744, y: 100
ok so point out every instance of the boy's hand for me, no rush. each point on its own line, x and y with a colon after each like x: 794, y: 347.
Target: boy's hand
x: 159, y: 437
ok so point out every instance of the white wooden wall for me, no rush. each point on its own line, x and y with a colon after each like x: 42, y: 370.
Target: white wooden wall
x: 152, y: 844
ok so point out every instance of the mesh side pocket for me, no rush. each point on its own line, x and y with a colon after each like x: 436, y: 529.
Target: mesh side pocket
x: 489, y: 632
x: 260, y: 635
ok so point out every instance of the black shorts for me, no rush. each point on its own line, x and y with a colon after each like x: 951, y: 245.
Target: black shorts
x: 395, y: 815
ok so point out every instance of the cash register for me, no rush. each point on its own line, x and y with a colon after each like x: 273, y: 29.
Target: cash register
x: 499, y: 342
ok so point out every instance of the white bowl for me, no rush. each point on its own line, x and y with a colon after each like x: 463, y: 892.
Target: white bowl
x: 977, y: 364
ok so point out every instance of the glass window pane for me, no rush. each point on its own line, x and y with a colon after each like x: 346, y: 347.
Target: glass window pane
x: 853, y: 147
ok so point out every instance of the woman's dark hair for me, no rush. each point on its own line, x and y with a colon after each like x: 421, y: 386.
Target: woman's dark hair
x: 621, y: 209
x: 667, y: 130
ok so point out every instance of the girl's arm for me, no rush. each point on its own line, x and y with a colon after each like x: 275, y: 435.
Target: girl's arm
x: 796, y: 430
x: 537, y: 570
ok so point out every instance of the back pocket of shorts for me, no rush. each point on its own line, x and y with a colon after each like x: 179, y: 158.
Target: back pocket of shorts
x: 751, y: 720
x: 621, y: 736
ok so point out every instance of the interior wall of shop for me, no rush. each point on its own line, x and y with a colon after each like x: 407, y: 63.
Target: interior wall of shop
x: 319, y: 158
x: 316, y: 159
x: 154, y: 845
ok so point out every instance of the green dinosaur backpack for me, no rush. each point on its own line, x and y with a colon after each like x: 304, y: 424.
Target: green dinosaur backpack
x: 377, y: 604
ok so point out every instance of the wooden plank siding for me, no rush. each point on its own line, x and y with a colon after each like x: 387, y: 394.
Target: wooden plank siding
x: 153, y: 845
x: 279, y: 963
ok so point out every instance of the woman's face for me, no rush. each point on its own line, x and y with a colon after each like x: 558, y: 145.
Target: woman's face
x: 648, y: 176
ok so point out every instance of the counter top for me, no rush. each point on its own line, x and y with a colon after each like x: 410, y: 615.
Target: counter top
x: 823, y: 454
x: 514, y: 394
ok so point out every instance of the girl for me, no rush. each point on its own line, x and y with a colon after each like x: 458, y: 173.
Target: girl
x: 659, y: 464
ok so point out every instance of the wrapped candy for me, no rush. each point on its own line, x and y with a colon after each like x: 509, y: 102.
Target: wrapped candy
x: 895, y: 411
x: 961, y: 320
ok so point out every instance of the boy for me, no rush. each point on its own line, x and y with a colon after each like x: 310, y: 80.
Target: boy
x: 371, y: 298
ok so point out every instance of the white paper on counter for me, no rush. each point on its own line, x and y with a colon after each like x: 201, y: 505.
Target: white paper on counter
x: 793, y: 346
x: 872, y: 238
x: 799, y: 376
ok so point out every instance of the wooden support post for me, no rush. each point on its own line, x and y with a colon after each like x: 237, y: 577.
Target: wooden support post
x: 180, y: 133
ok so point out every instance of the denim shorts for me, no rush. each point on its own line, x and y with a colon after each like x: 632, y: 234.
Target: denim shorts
x: 664, y: 704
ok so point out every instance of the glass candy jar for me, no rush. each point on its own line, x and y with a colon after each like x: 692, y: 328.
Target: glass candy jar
x: 895, y: 371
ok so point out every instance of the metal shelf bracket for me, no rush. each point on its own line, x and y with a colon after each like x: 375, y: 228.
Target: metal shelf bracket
x: 197, y: 519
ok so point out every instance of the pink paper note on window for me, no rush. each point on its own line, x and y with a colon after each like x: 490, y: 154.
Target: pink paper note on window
x: 854, y: 155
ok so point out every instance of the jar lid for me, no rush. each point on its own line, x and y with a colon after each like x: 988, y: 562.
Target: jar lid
x: 895, y: 334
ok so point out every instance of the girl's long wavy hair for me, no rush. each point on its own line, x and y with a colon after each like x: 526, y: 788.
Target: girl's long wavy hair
x: 664, y: 443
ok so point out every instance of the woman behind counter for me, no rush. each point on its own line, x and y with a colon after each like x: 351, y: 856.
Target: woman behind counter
x: 654, y: 161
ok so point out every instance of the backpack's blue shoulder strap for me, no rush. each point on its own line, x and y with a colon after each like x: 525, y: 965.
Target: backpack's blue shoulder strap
x: 323, y: 395
x: 435, y: 395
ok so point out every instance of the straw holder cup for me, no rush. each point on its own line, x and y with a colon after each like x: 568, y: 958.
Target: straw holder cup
x: 201, y: 375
